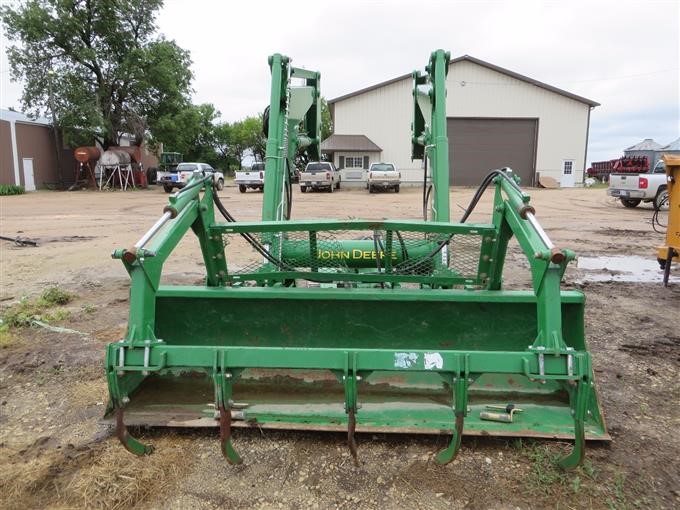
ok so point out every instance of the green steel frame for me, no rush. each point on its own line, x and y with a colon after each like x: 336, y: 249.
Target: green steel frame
x: 493, y: 339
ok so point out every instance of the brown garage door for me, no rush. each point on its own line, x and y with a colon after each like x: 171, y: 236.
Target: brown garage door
x: 479, y: 145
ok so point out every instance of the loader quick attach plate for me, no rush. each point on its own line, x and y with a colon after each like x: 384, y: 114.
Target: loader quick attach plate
x: 368, y: 326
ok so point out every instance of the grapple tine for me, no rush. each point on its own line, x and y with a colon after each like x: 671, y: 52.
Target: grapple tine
x: 130, y: 443
x: 580, y: 396
x: 227, y: 448
x: 450, y: 452
x: 351, y: 442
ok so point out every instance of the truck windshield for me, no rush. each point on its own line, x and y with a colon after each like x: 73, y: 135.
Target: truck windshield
x: 257, y: 167
x: 187, y: 167
x: 318, y: 167
x: 382, y: 167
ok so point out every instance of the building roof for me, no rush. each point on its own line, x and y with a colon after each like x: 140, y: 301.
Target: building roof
x: 353, y: 143
x: 14, y: 116
x: 468, y: 58
x: 673, y: 146
x: 645, y: 145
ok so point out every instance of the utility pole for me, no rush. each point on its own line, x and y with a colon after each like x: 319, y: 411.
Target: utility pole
x: 57, y: 147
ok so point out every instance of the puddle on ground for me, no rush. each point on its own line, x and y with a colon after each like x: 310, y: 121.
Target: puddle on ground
x: 623, y: 269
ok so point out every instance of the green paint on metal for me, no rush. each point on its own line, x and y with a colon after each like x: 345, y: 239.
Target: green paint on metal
x: 375, y: 324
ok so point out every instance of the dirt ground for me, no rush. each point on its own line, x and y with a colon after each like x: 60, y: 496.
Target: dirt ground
x: 54, y: 452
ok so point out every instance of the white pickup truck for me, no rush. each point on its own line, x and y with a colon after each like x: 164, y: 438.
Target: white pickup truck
x: 320, y: 174
x: 179, y: 176
x: 632, y: 189
x: 253, y: 178
x: 383, y: 176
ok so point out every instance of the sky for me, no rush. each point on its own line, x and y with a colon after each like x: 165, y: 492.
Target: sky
x: 622, y: 54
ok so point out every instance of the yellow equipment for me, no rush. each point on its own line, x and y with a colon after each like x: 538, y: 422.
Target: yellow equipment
x: 670, y: 252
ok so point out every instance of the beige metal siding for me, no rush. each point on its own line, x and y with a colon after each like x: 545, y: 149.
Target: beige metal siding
x: 384, y: 115
x: 475, y: 91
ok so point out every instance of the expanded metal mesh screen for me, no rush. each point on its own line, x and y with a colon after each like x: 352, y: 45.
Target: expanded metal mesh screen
x: 344, y: 252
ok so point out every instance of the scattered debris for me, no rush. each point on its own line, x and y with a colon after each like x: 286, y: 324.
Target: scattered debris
x: 20, y: 241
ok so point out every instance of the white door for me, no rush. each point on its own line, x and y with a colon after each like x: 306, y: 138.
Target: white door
x: 29, y: 180
x: 567, y: 179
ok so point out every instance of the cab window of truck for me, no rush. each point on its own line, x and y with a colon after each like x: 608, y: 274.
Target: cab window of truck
x: 316, y: 167
x: 187, y: 167
x: 382, y: 167
x: 660, y: 168
x: 257, y: 167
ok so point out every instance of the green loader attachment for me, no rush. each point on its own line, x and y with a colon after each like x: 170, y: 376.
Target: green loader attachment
x: 354, y: 325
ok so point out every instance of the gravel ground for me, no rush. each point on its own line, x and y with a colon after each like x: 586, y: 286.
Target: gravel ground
x: 57, y: 454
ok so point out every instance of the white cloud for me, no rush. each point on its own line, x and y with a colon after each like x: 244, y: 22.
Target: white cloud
x: 587, y: 47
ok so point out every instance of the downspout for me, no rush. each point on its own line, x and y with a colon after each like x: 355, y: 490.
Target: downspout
x: 15, y: 151
x: 585, y: 153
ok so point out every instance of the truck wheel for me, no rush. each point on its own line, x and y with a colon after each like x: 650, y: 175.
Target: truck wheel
x: 661, y: 199
x: 396, y: 189
x: 220, y: 184
x: 303, y: 189
x: 630, y: 202
x: 370, y: 189
x: 242, y: 188
x: 167, y: 189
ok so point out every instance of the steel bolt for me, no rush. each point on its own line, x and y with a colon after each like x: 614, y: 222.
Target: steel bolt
x: 359, y: 378
x: 125, y: 400
x: 228, y: 375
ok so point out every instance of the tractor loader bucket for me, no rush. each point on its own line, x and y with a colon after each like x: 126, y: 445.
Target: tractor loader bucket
x: 355, y: 325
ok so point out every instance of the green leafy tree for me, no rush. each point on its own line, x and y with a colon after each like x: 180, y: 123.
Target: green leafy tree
x: 246, y: 136
x: 326, y: 120
x: 190, y: 131
x: 108, y: 71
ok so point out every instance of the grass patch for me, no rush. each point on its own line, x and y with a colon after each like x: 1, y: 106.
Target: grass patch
x: 11, y: 189
x: 7, y: 338
x: 56, y: 296
x: 101, y: 476
x: 22, y: 314
x: 546, y: 476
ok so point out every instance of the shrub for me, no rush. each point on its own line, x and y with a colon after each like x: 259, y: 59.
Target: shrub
x: 11, y: 189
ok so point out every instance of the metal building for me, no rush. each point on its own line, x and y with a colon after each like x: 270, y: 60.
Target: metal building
x: 28, y: 154
x: 497, y: 118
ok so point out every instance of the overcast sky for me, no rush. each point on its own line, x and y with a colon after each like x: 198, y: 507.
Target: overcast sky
x: 622, y: 54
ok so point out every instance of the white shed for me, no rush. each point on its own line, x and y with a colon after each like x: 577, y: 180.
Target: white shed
x: 496, y: 118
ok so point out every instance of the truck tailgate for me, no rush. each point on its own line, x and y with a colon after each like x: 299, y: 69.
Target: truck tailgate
x: 624, y: 181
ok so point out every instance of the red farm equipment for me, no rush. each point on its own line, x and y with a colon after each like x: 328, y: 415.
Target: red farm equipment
x: 623, y: 165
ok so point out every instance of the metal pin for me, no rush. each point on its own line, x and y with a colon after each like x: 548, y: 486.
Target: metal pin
x: 570, y: 364
x: 541, y: 363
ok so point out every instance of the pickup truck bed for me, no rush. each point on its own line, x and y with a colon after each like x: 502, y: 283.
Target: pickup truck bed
x: 632, y: 189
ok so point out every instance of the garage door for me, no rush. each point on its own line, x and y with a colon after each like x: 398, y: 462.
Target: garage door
x: 479, y: 145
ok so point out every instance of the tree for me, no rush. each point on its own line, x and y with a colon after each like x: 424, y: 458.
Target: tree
x: 326, y: 120
x: 190, y: 131
x: 110, y: 73
x: 246, y: 135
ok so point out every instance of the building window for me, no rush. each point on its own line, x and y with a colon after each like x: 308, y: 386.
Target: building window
x: 354, y: 162
x: 568, y: 167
